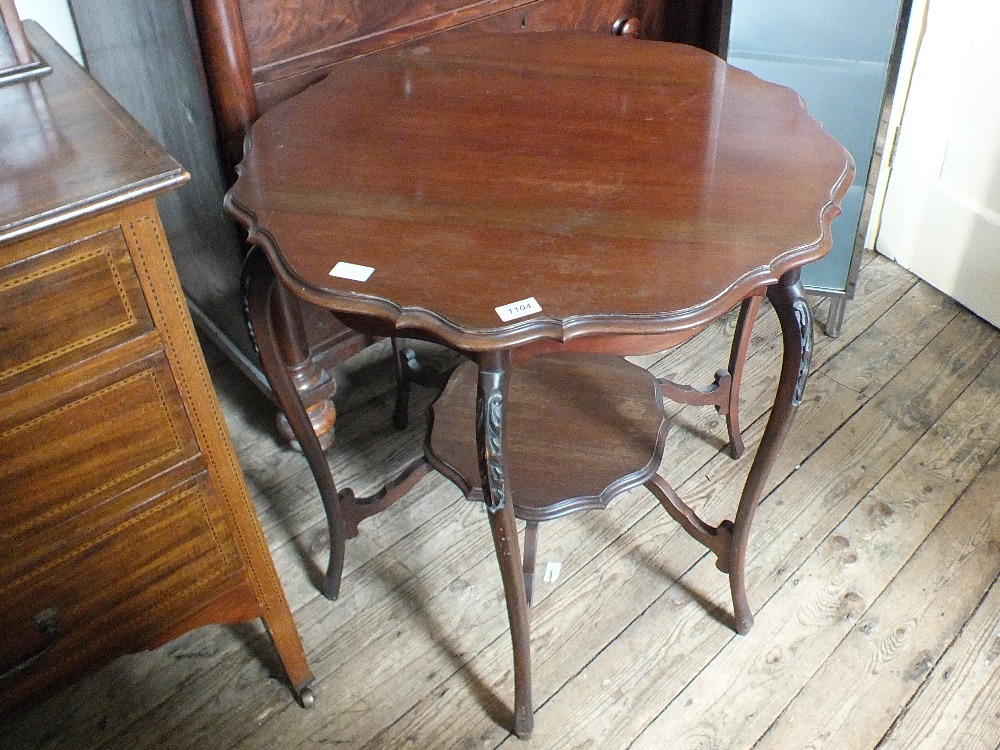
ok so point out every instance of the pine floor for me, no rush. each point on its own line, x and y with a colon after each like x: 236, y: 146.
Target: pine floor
x: 873, y: 572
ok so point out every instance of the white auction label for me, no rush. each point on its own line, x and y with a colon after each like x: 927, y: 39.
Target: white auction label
x: 516, y: 310
x: 353, y: 271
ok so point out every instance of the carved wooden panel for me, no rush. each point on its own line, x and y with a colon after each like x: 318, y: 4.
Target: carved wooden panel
x: 508, y: 16
x: 283, y: 37
x: 601, y: 16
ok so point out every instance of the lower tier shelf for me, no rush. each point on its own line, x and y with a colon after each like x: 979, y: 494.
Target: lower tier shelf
x: 579, y: 430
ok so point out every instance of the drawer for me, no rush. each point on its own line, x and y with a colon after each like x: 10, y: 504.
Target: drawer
x: 61, y: 468
x: 116, y: 590
x: 634, y: 17
x: 63, y: 305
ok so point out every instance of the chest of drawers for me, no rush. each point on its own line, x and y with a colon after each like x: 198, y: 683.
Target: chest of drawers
x: 124, y: 517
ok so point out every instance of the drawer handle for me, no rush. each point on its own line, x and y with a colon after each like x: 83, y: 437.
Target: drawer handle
x: 630, y: 27
x: 47, y: 622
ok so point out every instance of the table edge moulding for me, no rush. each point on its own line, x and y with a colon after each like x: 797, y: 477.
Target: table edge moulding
x: 126, y: 520
x: 691, y: 201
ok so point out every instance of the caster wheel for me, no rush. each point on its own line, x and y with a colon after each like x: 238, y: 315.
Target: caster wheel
x: 307, y: 698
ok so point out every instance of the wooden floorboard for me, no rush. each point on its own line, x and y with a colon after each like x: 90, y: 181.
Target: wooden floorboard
x: 946, y: 710
x: 886, y: 655
x: 872, y: 571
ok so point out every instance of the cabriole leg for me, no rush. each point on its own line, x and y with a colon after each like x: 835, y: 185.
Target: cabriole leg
x: 261, y: 290
x: 737, y: 358
x: 494, y: 371
x: 796, y: 334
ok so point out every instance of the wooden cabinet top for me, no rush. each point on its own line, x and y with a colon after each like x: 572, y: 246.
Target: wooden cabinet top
x: 69, y: 150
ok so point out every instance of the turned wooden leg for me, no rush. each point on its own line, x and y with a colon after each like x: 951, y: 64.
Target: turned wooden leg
x: 737, y: 358
x: 494, y: 370
x: 796, y: 334
x: 306, y: 374
x: 261, y: 288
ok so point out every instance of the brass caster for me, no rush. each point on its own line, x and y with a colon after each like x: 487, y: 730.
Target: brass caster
x: 306, y: 697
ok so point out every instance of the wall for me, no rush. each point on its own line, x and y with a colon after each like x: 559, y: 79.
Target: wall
x: 53, y: 16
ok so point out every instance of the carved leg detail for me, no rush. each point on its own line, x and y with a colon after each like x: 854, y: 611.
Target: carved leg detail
x: 490, y: 395
x: 796, y: 334
x: 260, y: 288
x: 494, y: 370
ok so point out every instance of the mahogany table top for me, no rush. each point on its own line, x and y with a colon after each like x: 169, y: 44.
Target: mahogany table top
x: 624, y: 186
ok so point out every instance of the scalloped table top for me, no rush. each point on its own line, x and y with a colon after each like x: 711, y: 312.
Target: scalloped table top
x: 626, y: 187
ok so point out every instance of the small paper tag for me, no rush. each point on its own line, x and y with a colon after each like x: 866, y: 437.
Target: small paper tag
x: 552, y: 571
x: 353, y: 271
x: 516, y: 310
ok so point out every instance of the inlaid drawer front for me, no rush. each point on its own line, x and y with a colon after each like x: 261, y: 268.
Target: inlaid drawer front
x: 125, y: 584
x: 63, y: 305
x: 71, y: 459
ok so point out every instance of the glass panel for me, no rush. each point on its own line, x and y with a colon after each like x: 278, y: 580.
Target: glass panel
x: 836, y: 56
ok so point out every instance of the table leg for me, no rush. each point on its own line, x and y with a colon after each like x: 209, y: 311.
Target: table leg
x: 724, y: 393
x: 796, y: 333
x: 261, y: 288
x: 737, y: 358
x: 494, y: 372
x: 306, y: 374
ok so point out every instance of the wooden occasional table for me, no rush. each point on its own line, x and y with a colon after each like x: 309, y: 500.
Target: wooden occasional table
x: 541, y: 203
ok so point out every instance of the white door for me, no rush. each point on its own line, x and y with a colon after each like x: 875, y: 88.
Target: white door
x: 941, y: 216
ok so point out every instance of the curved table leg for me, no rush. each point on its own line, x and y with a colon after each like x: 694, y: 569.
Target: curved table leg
x: 737, y: 358
x: 796, y: 334
x: 529, y: 552
x: 289, y: 335
x: 400, y: 358
x: 724, y: 392
x: 262, y: 290
x: 494, y: 371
